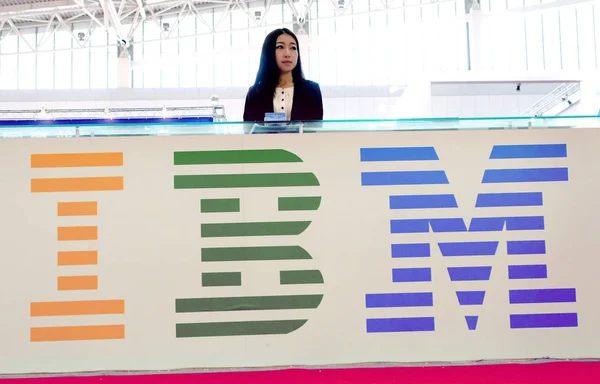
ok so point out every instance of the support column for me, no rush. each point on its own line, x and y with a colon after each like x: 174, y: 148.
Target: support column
x: 304, y: 54
x: 303, y: 40
x: 476, y: 41
x: 125, y: 55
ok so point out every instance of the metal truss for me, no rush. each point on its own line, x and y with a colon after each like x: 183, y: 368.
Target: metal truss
x: 121, y: 18
x: 118, y: 17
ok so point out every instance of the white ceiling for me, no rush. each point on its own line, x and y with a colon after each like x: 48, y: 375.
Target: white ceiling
x: 36, y: 13
x: 122, y: 17
x: 119, y: 16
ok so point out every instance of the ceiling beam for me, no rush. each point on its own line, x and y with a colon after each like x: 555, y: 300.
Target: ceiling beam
x: 46, y: 7
x: 111, y: 15
x: 141, y: 8
x: 89, y: 13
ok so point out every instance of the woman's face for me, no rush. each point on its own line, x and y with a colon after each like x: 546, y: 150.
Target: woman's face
x: 286, y: 53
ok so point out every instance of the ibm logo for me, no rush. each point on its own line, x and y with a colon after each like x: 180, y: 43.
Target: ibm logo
x: 222, y: 219
x: 479, y: 270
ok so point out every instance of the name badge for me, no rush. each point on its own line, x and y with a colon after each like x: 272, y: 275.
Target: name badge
x: 274, y: 116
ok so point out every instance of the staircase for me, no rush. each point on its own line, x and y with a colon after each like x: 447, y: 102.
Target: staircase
x: 562, y: 93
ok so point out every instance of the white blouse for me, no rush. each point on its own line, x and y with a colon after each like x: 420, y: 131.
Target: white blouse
x: 283, y: 100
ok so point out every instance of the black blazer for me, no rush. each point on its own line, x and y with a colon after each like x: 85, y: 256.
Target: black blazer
x: 306, y: 106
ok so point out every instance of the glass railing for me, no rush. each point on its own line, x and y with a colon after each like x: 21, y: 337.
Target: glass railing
x: 174, y: 127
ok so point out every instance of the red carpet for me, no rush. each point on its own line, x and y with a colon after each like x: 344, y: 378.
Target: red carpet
x: 546, y: 373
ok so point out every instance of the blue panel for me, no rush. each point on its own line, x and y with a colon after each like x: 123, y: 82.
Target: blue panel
x: 487, y: 224
x: 469, y: 248
x: 544, y: 320
x: 524, y: 223
x: 411, y: 250
x: 386, y: 300
x: 448, y: 225
x: 516, y: 223
x: 530, y: 151
x: 469, y: 273
x: 404, y: 178
x: 403, y: 324
x: 104, y: 122
x: 470, y: 297
x: 404, y: 275
x: 538, y: 296
x: 409, y: 226
x: 422, y: 201
x: 516, y: 199
x: 472, y: 322
x: 398, y: 154
x: 525, y: 175
x: 526, y: 247
x: 538, y: 271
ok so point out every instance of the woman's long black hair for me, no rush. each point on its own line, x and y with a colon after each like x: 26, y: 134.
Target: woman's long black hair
x: 267, y: 76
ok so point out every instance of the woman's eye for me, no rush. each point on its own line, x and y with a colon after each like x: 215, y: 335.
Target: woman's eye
x: 279, y: 47
x: 294, y: 48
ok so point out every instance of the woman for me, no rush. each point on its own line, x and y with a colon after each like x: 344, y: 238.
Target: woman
x: 280, y: 85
